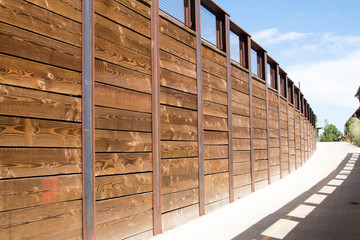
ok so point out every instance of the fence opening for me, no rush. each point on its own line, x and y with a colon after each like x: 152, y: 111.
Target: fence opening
x: 208, y: 26
x: 254, y: 62
x: 234, y: 47
x: 173, y: 8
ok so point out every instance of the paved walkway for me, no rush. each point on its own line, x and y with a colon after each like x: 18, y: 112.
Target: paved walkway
x: 321, y: 200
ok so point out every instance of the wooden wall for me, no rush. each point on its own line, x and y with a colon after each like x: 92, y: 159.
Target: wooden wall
x: 41, y: 123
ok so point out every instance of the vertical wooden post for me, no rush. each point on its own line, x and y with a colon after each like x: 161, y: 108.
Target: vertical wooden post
x: 228, y: 78
x: 156, y: 151
x: 200, y: 107
x: 251, y: 117
x: 277, y: 77
x: 88, y: 116
x: 294, y: 105
x: 267, y: 114
x: 300, y: 118
x: 287, y: 112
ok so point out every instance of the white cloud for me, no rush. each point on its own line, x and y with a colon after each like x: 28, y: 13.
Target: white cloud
x: 273, y: 36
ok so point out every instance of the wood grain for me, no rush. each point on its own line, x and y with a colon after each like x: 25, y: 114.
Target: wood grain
x: 179, y: 200
x: 29, y: 192
x: 216, y: 187
x: 24, y: 73
x: 177, y: 64
x: 178, y: 82
x: 174, y: 47
x: 169, y: 28
x: 214, y: 82
x: 15, y: 132
x: 27, y: 162
x: 178, y: 149
x: 216, y: 166
x: 215, y: 123
x: 178, y: 98
x: 216, y: 151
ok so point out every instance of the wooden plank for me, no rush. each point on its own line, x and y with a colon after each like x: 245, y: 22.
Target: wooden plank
x: 23, y: 73
x: 29, y: 192
x: 38, y: 48
x: 260, y: 133
x: 171, y: 29
x: 123, y: 16
x: 216, y: 187
x: 212, y: 55
x: 120, y: 163
x: 181, y: 216
x: 214, y: 82
x: 177, y: 98
x: 241, y: 132
x: 33, y: 18
x: 17, y: 132
x: 241, y: 144
x: 260, y: 144
x: 121, y: 36
x: 176, y: 149
x: 213, y: 68
x: 216, y: 151
x: 239, y: 73
x: 259, y: 103
x: 215, y: 138
x: 179, y: 166
x: 119, y: 141
x: 27, y: 162
x: 242, y: 191
x: 109, y: 96
x: 259, y: 123
x: 116, y: 119
x: 242, y: 168
x: 67, y: 8
x: 122, y: 185
x: 240, y: 85
x: 178, y: 82
x: 215, y: 123
x: 178, y: 124
x: 210, y: 207
x: 179, y: 200
x: 176, y: 183
x: 216, y: 166
x: 176, y: 64
x: 121, y: 77
x: 242, y: 180
x: 260, y: 165
x: 241, y: 156
x: 118, y: 208
x: 240, y: 121
x: 258, y: 92
x: 125, y: 227
x: 259, y: 113
x: 32, y: 103
x: 140, y: 6
x: 177, y: 48
x: 122, y: 56
x: 213, y: 95
x: 214, y: 109
x: 240, y: 109
x: 43, y: 222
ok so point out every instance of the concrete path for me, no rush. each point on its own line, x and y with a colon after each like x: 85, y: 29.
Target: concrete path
x: 314, y: 200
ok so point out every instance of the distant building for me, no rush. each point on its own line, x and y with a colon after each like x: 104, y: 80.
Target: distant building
x: 357, y: 112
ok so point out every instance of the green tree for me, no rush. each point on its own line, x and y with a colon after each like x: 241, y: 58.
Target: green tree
x: 330, y: 134
x: 352, y: 131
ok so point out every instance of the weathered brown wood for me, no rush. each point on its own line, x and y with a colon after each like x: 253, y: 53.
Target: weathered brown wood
x: 179, y: 200
x: 216, y: 166
x: 39, y: 20
x: 29, y: 192
x: 123, y: 16
x: 240, y: 109
x: 210, y: 207
x: 214, y: 138
x: 38, y: 48
x: 215, y: 123
x: 260, y: 165
x: 241, y: 156
x: 139, y: 6
x: 239, y: 73
x: 17, y: 101
x: 214, y: 82
x: 260, y: 133
x: 169, y: 28
x: 178, y: 98
x: 27, y: 162
x: 216, y: 151
x: 213, y: 95
x: 259, y: 123
x: 50, y: 221
x: 242, y: 168
x: 108, y: 51
x: 125, y: 227
x: 240, y: 85
x: 121, y: 77
x: 120, y: 163
x: 259, y: 103
x: 214, y: 109
x: 181, y: 216
x: 119, y: 141
x: 118, y: 208
x: 213, y: 68
x: 260, y: 144
x: 28, y: 74
x: 242, y: 191
x: 178, y: 124
x: 242, y: 180
x: 175, y: 149
x: 121, y: 185
x: 116, y: 119
x: 216, y: 187
x: 241, y: 132
x: 109, y: 96
x: 16, y: 132
x: 177, y: 48
x: 241, y: 144
x: 177, y: 64
x: 178, y: 82
x: 122, y: 36
x: 67, y: 8
x: 212, y: 55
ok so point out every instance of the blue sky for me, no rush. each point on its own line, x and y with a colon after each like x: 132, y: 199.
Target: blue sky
x: 315, y: 42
